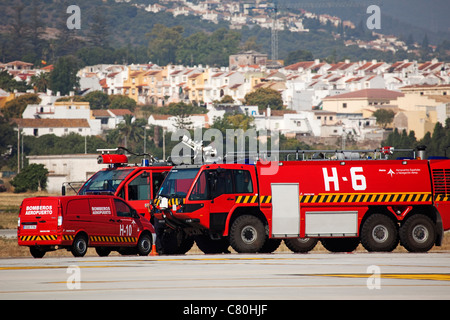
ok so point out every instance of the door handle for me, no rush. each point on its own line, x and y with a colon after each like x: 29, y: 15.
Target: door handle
x: 232, y: 198
x: 112, y: 220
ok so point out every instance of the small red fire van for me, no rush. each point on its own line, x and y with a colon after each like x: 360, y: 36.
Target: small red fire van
x: 75, y: 223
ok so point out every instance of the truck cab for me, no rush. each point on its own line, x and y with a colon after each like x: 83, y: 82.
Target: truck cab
x: 199, y: 200
x: 137, y: 185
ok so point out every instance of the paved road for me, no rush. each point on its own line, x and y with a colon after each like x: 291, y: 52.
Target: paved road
x: 232, y: 276
x: 8, y: 233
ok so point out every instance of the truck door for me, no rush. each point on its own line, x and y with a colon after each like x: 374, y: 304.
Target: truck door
x: 126, y: 227
x: 138, y: 191
x: 223, y: 198
x: 100, y: 226
x: 200, y: 198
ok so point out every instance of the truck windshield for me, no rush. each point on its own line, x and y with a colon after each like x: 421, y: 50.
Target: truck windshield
x: 178, y: 182
x: 104, y: 182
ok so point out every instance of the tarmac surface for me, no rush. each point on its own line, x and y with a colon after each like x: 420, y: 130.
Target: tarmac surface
x: 234, y: 277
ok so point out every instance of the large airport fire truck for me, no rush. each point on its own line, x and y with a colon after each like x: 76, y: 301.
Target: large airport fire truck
x: 342, y: 202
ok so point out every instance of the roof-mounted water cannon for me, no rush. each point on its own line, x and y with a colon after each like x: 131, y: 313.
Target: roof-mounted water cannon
x: 111, y: 159
x: 206, y: 154
x: 387, y: 151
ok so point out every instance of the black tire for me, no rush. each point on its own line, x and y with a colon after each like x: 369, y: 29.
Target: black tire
x: 247, y: 234
x: 37, y: 252
x: 210, y: 246
x: 175, y: 242
x: 340, y: 244
x: 144, y: 245
x: 103, y: 251
x: 301, y: 245
x: 79, y: 246
x: 270, y: 245
x: 379, y: 233
x: 418, y: 233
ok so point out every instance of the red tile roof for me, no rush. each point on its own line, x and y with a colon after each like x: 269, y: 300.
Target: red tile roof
x: 368, y: 94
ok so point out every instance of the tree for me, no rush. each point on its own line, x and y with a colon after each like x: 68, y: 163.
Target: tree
x: 64, y: 78
x: 263, y: 98
x: 299, y: 55
x: 118, y: 101
x: 40, y: 82
x: 31, y: 178
x: 164, y: 42
x: 97, y: 100
x: 384, y: 117
x: 98, y: 34
x: 9, y: 84
x: 15, y: 107
x: 233, y: 121
x: 129, y: 133
x: 7, y: 140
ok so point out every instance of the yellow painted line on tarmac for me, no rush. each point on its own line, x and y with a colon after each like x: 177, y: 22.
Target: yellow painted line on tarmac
x: 408, y: 276
x: 54, y: 267
x: 121, y: 265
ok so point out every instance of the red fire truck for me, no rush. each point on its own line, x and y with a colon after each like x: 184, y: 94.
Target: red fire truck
x: 136, y: 184
x: 378, y: 203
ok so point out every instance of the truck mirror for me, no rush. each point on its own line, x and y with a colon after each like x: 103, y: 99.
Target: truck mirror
x: 63, y: 190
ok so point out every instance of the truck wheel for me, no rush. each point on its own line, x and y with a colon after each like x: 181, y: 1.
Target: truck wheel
x: 301, y: 245
x: 37, y: 252
x: 176, y: 242
x: 379, y: 233
x: 79, y: 246
x: 210, y: 246
x: 340, y: 244
x: 270, y: 245
x: 103, y: 251
x: 418, y: 234
x: 144, y: 245
x: 247, y: 234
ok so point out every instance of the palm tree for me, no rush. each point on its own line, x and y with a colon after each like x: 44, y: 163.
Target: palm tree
x: 131, y: 131
x: 41, y: 81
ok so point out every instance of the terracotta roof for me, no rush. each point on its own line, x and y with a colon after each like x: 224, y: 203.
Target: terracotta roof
x: 52, y: 123
x: 368, y: 94
x: 101, y: 113
x: 301, y: 64
x: 120, y: 112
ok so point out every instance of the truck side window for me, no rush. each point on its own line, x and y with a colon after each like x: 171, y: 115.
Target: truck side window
x: 243, y: 181
x: 224, y: 183
x: 201, y: 188
x: 122, y: 209
x: 139, y: 188
x: 157, y: 180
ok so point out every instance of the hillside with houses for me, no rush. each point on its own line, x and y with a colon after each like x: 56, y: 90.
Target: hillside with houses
x: 319, y: 99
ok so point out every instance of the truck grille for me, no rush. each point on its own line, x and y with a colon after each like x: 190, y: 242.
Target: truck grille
x: 441, y: 181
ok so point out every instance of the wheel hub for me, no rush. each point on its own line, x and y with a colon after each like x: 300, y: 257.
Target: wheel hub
x: 249, y: 234
x: 420, y: 233
x: 380, y: 233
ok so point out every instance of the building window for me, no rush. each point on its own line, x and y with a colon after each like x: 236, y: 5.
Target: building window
x: 344, y: 105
